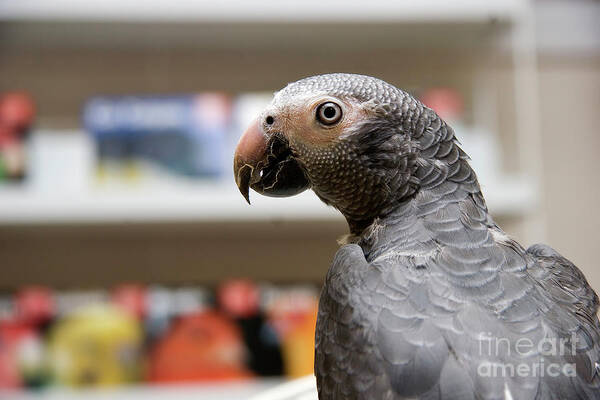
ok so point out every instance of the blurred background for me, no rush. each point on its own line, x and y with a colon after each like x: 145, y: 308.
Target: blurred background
x: 128, y: 258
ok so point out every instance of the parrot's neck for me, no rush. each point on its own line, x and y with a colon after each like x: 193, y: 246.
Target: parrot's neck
x: 423, y: 224
x: 410, y: 197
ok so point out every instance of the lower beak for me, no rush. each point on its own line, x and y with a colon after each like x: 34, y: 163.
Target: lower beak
x: 266, y: 165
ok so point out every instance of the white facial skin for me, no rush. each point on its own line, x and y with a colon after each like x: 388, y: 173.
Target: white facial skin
x: 295, y: 118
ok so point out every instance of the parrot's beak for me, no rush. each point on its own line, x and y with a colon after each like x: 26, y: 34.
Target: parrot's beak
x: 266, y: 164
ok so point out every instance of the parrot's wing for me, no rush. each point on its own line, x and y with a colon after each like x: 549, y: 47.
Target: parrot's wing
x: 572, y: 315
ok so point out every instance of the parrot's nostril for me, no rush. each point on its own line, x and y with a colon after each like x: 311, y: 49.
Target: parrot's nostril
x: 269, y: 120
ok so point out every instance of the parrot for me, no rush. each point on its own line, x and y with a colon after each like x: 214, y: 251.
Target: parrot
x: 427, y: 297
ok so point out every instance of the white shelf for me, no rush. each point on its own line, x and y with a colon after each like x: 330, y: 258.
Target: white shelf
x: 223, y: 391
x: 261, y: 10
x: 182, y: 202
x: 201, y: 202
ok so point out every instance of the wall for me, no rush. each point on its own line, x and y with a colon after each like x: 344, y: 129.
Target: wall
x: 570, y: 122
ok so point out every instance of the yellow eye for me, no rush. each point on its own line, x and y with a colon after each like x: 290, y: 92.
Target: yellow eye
x: 329, y: 113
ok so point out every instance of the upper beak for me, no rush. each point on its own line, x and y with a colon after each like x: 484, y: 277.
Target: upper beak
x: 249, y: 154
x: 266, y: 164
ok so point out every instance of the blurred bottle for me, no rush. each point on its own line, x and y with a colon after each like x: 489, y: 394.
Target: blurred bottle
x: 99, y: 344
x: 25, y: 334
x: 292, y: 312
x: 159, y: 313
x: 299, y: 346
x: 202, y: 346
x: 35, y: 306
x: 240, y: 300
x: 17, y: 112
x: 22, y: 355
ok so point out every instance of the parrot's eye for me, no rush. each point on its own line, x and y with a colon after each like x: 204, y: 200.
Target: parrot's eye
x: 329, y: 113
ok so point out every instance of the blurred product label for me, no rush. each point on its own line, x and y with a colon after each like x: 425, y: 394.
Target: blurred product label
x: 182, y: 135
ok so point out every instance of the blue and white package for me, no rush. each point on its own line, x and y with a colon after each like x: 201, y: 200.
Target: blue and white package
x: 185, y: 135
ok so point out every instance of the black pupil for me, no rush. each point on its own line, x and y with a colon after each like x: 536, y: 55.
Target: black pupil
x: 269, y: 120
x: 329, y: 112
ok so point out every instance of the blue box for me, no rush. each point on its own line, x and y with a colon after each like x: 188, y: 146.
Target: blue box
x: 185, y: 135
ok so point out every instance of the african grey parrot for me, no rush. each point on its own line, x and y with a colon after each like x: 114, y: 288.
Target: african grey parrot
x: 429, y: 298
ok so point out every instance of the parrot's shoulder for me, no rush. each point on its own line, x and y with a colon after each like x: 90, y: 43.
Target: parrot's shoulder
x: 574, y: 302
x: 346, y: 356
x: 345, y: 296
x: 551, y: 270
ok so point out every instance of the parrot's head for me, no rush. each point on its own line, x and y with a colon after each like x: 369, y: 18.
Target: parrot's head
x: 352, y: 139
